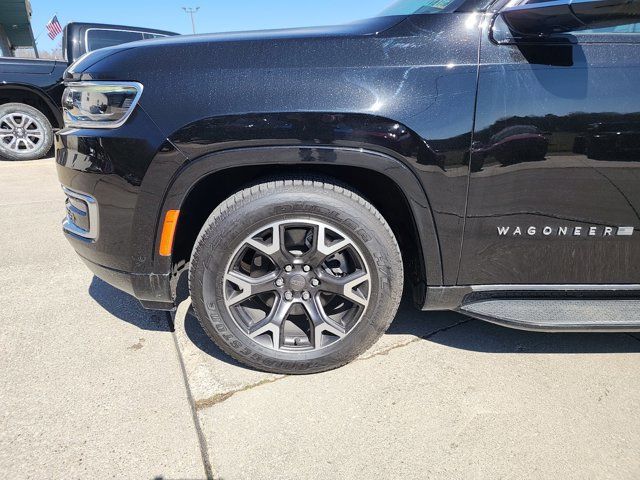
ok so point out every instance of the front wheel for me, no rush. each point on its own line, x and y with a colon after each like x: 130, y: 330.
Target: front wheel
x: 295, y: 276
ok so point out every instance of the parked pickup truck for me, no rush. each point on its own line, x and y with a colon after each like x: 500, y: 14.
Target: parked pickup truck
x: 305, y: 178
x: 31, y: 89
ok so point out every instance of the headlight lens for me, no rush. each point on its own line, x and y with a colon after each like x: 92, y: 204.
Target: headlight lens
x: 99, y: 105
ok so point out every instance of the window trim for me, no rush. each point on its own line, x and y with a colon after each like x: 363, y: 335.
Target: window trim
x: 605, y: 37
x: 500, y: 34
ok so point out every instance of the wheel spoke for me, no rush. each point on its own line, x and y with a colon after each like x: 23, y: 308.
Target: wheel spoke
x: 262, y: 247
x: 275, y: 250
x: 10, y: 120
x: 249, y: 286
x: 320, y: 250
x: 321, y: 322
x: 345, y: 286
x: 329, y: 249
x: 15, y: 120
x: 272, y: 323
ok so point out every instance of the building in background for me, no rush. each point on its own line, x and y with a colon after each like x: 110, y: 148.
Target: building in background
x: 15, y: 27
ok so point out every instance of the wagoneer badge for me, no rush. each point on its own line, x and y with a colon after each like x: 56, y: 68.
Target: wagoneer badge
x: 578, y: 231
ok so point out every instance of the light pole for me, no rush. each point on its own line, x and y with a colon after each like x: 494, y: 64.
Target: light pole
x: 191, y: 11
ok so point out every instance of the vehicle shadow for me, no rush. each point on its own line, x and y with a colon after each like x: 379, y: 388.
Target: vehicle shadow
x: 455, y: 330
x: 192, y: 328
x: 458, y: 331
x: 123, y: 306
x: 479, y: 336
x: 444, y: 328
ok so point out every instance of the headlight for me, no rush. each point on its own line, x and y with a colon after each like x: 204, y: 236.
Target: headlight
x: 99, y: 105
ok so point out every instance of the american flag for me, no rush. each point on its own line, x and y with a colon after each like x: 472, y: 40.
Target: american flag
x: 54, y: 27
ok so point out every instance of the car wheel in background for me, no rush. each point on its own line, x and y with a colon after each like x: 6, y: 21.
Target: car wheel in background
x: 25, y: 132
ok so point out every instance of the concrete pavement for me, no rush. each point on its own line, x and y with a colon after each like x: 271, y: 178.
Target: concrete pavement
x: 441, y: 397
x: 93, y: 385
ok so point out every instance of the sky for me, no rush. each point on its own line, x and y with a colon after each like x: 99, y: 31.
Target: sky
x: 213, y: 16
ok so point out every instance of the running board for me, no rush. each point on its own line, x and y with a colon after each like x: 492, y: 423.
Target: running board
x: 559, y: 314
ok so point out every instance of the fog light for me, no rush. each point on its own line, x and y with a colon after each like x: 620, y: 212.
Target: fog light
x: 82, y: 214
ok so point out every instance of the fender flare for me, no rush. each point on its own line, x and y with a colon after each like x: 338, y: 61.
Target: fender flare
x: 391, y: 167
x: 40, y: 94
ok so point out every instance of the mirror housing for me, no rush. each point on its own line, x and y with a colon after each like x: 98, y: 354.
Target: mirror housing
x: 535, y: 18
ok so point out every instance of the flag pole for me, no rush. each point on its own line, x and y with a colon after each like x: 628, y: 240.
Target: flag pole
x: 35, y: 40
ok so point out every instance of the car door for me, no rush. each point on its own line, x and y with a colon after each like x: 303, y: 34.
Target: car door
x: 554, y: 186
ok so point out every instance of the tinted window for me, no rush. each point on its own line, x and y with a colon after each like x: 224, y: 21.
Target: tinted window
x: 410, y: 7
x: 101, y: 38
x: 631, y: 28
x: 153, y: 35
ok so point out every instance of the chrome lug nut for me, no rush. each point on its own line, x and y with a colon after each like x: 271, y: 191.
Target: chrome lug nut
x: 279, y: 282
x: 306, y: 268
x: 288, y: 296
x: 315, y: 282
x: 288, y: 268
x: 305, y: 295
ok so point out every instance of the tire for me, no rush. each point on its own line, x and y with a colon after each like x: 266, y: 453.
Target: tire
x: 306, y: 214
x: 32, y: 142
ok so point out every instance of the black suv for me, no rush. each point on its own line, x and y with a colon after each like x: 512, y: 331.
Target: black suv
x: 303, y: 177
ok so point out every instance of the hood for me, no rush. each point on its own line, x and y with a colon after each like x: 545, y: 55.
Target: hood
x: 366, y: 27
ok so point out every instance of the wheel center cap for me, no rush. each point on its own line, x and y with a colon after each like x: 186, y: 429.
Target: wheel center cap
x: 297, y: 283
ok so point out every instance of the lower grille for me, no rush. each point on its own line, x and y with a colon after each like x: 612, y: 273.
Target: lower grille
x: 82, y: 214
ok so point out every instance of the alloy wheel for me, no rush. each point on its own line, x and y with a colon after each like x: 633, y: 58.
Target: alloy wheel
x: 20, y: 132
x: 297, y: 285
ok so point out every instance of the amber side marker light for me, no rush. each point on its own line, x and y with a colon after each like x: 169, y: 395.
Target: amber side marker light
x: 168, y: 231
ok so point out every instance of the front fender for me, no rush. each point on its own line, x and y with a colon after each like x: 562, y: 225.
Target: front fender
x: 394, y: 169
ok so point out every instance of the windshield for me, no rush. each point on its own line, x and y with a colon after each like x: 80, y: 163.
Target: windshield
x: 410, y: 7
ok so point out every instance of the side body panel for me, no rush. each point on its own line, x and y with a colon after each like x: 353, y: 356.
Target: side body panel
x: 557, y: 160
x: 418, y: 77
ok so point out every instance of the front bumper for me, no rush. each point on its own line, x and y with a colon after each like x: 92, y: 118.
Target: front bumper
x: 111, y: 214
x: 152, y: 290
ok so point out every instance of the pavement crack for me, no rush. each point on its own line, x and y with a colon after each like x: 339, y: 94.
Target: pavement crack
x: 202, y: 440
x: 389, y: 349
x: 221, y: 397
x: 633, y: 335
x: 414, y: 340
x: 444, y: 329
x: 218, y: 398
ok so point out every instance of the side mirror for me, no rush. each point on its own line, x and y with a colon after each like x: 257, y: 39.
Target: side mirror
x: 535, y: 18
